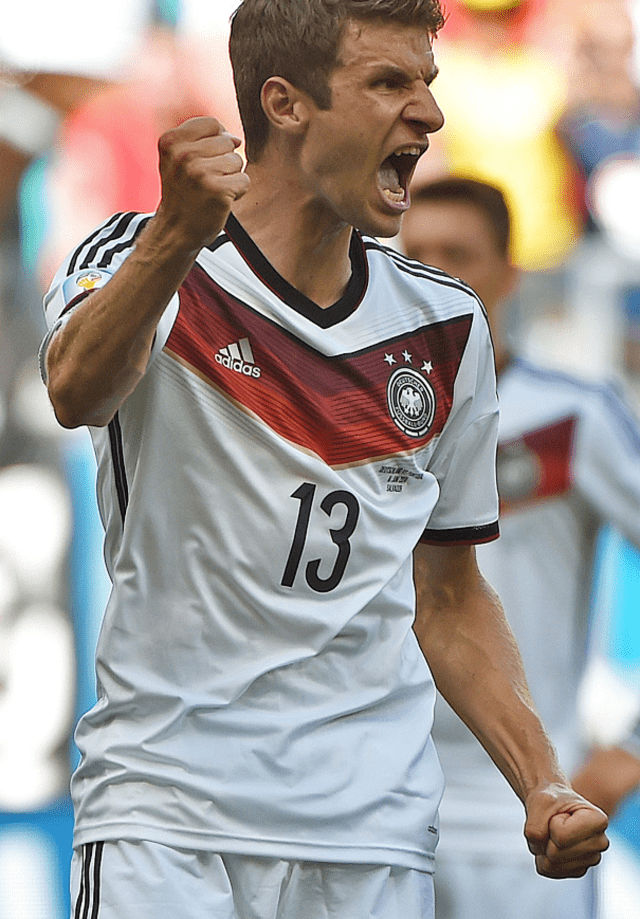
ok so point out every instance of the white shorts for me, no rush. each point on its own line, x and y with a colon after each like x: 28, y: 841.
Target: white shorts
x: 118, y: 880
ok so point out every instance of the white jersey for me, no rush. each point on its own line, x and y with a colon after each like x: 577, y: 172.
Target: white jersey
x: 568, y: 462
x: 260, y: 688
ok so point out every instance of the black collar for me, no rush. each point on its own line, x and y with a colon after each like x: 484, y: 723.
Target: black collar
x: 325, y: 318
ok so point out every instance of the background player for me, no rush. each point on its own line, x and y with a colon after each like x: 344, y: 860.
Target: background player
x: 568, y: 461
x: 283, y: 411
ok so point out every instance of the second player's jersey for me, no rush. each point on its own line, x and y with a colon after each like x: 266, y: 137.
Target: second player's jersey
x: 568, y: 461
x: 260, y: 686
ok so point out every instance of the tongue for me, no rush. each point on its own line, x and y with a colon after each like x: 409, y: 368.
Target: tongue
x: 389, y: 179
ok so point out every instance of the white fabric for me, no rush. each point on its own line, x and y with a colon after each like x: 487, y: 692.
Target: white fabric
x: 199, y: 17
x: 151, y: 881
x: 73, y: 36
x: 27, y: 122
x: 260, y: 686
x: 553, y: 429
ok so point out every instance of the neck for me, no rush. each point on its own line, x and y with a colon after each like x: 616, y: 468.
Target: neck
x: 303, y: 241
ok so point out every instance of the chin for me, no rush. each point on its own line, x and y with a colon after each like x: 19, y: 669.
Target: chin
x: 389, y: 233
x: 382, y: 227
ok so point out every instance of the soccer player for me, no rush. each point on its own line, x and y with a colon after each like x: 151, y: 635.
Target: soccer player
x: 568, y: 462
x: 289, y: 417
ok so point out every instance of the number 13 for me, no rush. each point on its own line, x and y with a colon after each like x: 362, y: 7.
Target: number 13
x: 305, y: 495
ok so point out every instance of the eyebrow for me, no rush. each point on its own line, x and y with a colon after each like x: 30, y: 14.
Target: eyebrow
x: 392, y: 70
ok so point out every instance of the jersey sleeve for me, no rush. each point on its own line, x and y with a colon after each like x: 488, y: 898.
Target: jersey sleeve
x: 464, y: 460
x: 90, y: 267
x: 607, y: 461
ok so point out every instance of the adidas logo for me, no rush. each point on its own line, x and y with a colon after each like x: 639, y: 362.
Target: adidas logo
x: 239, y: 357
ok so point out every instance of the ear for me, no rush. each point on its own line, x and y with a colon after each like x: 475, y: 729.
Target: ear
x: 286, y: 107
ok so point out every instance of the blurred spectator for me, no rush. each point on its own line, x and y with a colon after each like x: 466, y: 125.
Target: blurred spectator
x: 602, y: 118
x: 601, y: 128
x: 568, y: 462
x: 36, y: 641
x: 113, y: 85
x: 502, y: 98
x: 610, y: 773
x: 51, y: 60
x: 106, y: 159
x: 203, y: 36
x: 525, y: 22
x: 53, y: 57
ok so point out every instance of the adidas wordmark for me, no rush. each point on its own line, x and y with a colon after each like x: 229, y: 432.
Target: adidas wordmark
x: 239, y: 357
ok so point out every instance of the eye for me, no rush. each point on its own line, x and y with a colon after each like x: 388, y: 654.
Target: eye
x: 389, y: 82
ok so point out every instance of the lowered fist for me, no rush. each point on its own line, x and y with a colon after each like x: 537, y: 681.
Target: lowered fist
x: 565, y: 832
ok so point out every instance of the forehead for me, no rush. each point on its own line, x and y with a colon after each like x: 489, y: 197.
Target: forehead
x: 376, y: 43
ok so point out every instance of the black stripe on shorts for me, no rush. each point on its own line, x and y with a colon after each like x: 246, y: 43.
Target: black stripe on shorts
x: 88, y: 901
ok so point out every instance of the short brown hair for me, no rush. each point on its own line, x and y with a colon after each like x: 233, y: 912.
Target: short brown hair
x: 299, y: 40
x: 486, y: 199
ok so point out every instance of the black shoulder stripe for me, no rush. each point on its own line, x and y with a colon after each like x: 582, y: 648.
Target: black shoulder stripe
x: 401, y: 258
x: 419, y: 269
x: 117, y: 233
x: 76, y: 254
x: 429, y: 273
x: 446, y: 281
x: 109, y: 254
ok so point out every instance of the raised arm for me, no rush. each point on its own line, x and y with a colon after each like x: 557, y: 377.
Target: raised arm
x: 98, y: 357
x: 477, y: 667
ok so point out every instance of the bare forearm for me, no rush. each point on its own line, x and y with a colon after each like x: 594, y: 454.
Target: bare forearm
x: 99, y: 357
x: 477, y: 668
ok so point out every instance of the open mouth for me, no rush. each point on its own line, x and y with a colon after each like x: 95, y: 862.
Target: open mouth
x: 395, y: 174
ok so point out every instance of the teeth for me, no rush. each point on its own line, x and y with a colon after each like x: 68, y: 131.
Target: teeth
x: 411, y: 151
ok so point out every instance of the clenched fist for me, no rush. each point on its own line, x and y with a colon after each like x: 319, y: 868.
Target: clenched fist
x: 565, y: 832
x: 202, y: 175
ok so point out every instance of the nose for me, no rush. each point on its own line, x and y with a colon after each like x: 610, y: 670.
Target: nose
x: 423, y: 111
